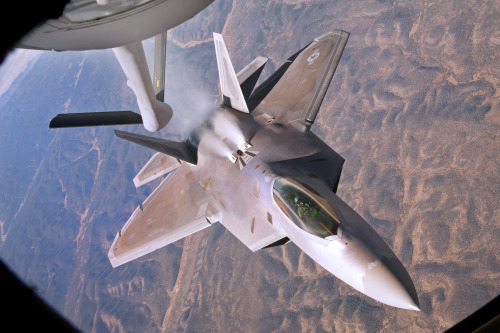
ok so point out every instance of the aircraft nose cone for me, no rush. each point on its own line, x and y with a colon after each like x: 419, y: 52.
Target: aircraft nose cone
x: 387, y: 283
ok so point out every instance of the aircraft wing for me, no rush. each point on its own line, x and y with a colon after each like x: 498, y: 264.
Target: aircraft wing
x: 177, y: 208
x: 298, y: 94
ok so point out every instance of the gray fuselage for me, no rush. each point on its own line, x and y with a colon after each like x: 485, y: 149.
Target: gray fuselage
x: 245, y: 199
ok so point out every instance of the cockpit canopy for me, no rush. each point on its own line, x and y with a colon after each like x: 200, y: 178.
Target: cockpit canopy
x: 305, y: 207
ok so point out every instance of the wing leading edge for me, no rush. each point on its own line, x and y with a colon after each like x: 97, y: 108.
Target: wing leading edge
x: 297, y: 96
x: 177, y: 208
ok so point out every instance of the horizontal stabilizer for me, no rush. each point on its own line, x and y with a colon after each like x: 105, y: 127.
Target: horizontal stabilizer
x: 230, y: 87
x: 180, y: 150
x: 110, y: 118
x: 177, y: 208
x: 157, y: 166
x: 249, y: 75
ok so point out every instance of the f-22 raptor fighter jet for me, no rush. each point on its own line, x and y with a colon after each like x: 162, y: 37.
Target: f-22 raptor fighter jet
x: 257, y: 168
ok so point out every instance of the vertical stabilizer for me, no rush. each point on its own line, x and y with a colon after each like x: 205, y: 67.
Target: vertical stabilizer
x: 249, y: 75
x: 180, y: 150
x: 230, y: 87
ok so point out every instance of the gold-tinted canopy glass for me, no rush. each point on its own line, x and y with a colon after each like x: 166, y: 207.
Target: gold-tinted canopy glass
x: 305, y: 207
